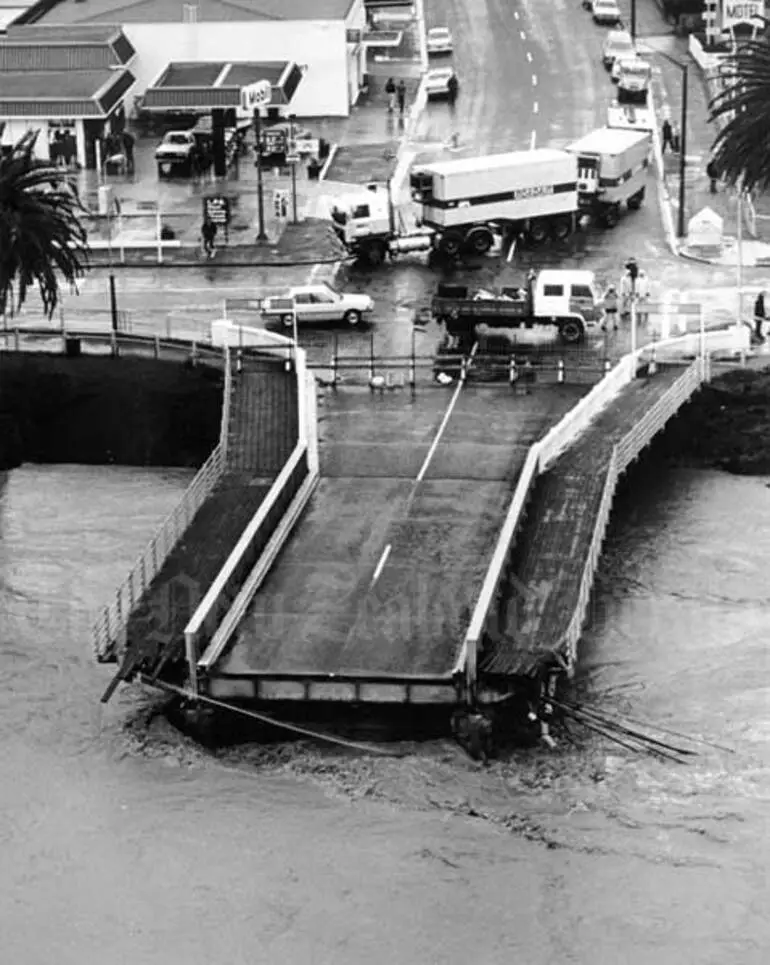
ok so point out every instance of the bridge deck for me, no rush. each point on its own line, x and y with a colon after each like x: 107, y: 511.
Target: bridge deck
x: 262, y: 433
x: 383, y: 570
x: 554, y: 540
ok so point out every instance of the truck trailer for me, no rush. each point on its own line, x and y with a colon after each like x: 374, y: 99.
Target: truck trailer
x: 463, y: 205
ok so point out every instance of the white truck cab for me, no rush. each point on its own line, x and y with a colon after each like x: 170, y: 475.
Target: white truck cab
x: 562, y: 292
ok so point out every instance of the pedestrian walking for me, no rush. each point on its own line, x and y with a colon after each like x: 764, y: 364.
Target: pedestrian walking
x: 676, y: 140
x: 759, y: 317
x: 642, y: 297
x: 667, y: 136
x: 401, y: 95
x: 610, y: 306
x: 208, y: 234
x: 128, y: 150
x: 452, y: 86
x: 712, y: 172
x: 390, y: 90
x: 628, y: 286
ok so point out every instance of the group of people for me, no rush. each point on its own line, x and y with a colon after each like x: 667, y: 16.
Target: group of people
x: 669, y: 137
x: 634, y: 289
x: 396, y: 94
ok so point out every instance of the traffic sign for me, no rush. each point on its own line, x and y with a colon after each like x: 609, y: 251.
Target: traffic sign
x: 292, y: 158
x: 256, y: 95
x: 216, y: 208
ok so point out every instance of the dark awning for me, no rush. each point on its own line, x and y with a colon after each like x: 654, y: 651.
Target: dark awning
x: 218, y: 85
x: 75, y: 93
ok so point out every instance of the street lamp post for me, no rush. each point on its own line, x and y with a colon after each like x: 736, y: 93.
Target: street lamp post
x: 261, y: 236
x: 293, y: 166
x: 632, y: 31
x: 682, y: 151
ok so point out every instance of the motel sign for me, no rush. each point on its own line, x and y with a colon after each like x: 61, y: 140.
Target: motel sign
x: 735, y: 12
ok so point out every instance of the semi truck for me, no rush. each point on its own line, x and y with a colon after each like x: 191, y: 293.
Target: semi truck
x: 566, y: 299
x: 464, y: 205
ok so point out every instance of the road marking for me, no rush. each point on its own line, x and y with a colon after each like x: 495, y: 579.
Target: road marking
x: 522, y: 35
x: 532, y: 141
x: 380, y: 565
x: 515, y: 14
x: 444, y: 422
x: 535, y: 108
x: 529, y: 57
x: 534, y: 80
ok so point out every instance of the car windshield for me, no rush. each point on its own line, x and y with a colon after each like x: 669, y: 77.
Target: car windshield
x: 442, y: 73
x: 438, y: 33
x: 638, y: 70
x: 328, y: 291
x: 176, y: 138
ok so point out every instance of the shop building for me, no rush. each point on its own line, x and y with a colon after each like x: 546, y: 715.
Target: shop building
x: 324, y: 38
x: 69, y: 84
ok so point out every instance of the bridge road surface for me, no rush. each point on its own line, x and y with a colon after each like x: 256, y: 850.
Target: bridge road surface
x: 383, y: 570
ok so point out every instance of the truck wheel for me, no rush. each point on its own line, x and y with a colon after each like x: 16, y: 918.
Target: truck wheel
x: 480, y: 240
x: 374, y: 253
x: 352, y: 317
x: 571, y: 331
x: 450, y: 245
x: 537, y: 232
x: 635, y: 201
x: 610, y: 217
x: 561, y: 229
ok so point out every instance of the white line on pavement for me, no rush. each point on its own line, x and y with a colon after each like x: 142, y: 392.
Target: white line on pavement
x: 532, y: 141
x: 380, y: 565
x: 535, y: 108
x: 522, y: 35
x: 515, y: 14
x: 529, y: 57
x: 534, y: 80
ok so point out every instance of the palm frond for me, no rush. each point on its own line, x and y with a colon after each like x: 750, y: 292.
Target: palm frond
x: 741, y: 150
x: 43, y: 241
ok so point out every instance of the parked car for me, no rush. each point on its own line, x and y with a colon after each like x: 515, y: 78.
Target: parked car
x: 183, y: 152
x: 439, y: 41
x: 606, y: 12
x: 617, y: 46
x: 437, y: 82
x: 317, y: 303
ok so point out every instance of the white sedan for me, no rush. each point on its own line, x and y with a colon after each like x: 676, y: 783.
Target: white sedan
x: 439, y: 82
x: 439, y: 41
x: 606, y: 12
x: 317, y: 303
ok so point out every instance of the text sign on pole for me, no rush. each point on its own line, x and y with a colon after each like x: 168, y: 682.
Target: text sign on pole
x: 735, y: 12
x: 256, y: 95
x: 217, y: 209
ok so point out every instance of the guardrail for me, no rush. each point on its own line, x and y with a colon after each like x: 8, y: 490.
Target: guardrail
x: 218, y: 614
x: 544, y: 453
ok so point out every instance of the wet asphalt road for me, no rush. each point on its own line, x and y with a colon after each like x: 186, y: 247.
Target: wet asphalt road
x: 528, y: 70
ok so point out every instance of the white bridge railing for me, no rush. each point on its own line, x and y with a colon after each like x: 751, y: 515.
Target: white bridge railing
x: 545, y: 452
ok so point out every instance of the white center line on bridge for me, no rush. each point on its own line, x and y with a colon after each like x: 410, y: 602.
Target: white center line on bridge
x: 529, y: 57
x: 535, y: 108
x: 515, y: 14
x: 380, y: 565
x: 534, y: 80
x: 532, y: 141
x: 522, y: 35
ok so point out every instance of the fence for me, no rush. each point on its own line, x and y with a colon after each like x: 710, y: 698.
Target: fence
x: 227, y: 599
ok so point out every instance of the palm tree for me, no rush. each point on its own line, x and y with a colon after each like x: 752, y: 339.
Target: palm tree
x: 741, y: 150
x: 42, y: 238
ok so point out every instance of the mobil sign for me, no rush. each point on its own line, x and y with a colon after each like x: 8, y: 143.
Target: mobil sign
x: 735, y: 12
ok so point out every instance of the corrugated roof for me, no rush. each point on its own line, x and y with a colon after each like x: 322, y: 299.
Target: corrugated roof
x: 193, y: 86
x: 92, y: 12
x: 78, y: 34
x: 71, y: 93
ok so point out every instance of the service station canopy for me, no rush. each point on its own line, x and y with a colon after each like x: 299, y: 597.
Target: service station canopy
x: 218, y: 86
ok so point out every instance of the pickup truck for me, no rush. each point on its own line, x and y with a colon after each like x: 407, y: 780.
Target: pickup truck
x: 563, y: 298
x: 182, y: 152
x: 317, y: 303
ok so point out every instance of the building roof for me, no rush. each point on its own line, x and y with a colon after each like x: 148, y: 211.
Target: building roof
x: 73, y: 48
x: 69, y: 12
x: 67, y: 93
x: 216, y: 84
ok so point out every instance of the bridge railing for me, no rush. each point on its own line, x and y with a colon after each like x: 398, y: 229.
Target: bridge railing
x: 218, y: 614
x: 544, y: 453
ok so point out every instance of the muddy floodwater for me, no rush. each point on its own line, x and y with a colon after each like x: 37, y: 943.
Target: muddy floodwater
x: 124, y: 844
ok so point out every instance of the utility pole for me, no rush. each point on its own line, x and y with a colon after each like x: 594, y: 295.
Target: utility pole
x: 261, y: 236
x: 682, y: 152
x: 633, y: 20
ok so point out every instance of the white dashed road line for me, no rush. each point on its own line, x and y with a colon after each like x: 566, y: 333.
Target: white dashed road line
x: 522, y: 35
x: 529, y: 57
x: 535, y: 108
x: 532, y: 141
x: 534, y: 80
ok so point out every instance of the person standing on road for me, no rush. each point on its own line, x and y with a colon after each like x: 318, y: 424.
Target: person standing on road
x: 610, y: 305
x: 452, y: 86
x: 712, y: 172
x: 208, y: 234
x: 667, y: 136
x: 390, y: 90
x: 642, y: 297
x: 759, y: 317
x: 401, y: 94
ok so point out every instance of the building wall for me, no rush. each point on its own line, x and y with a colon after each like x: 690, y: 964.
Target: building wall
x: 320, y: 45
